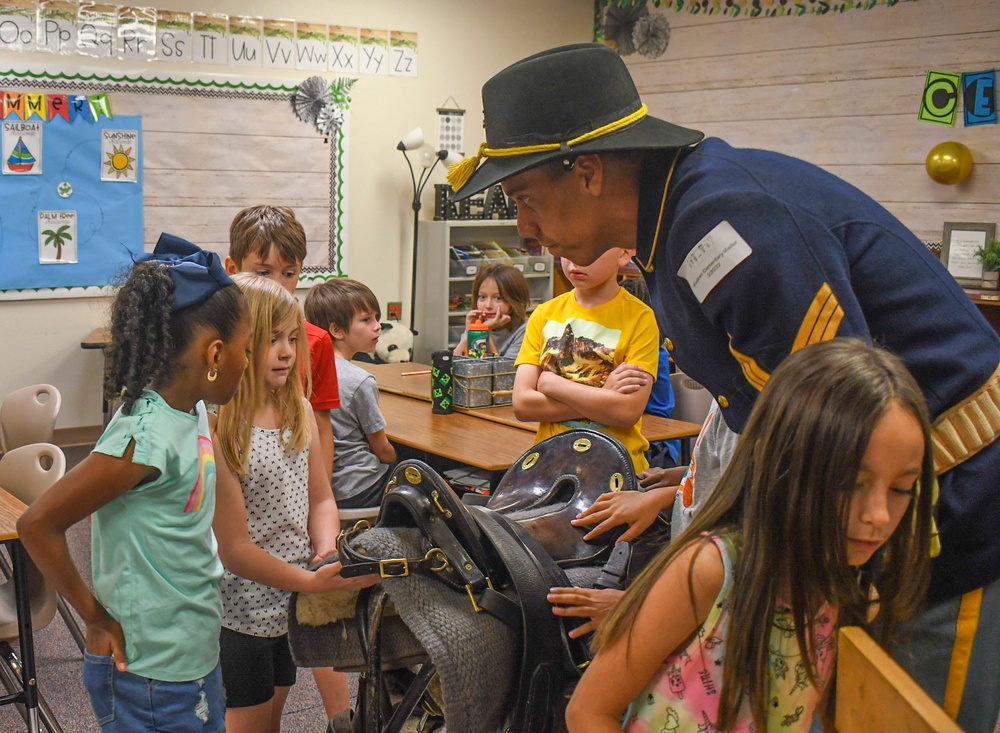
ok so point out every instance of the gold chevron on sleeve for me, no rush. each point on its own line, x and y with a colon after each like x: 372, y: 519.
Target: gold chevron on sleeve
x: 751, y: 369
x: 822, y: 319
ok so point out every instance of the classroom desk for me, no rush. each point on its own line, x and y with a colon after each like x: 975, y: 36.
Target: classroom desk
x: 100, y: 338
x: 457, y: 436
x: 418, y: 386
x: 10, y: 511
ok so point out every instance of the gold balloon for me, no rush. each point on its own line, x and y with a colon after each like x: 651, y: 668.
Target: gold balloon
x: 949, y: 162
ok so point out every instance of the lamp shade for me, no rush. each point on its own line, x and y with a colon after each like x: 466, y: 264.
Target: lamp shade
x: 412, y: 140
x: 426, y: 156
x: 452, y: 157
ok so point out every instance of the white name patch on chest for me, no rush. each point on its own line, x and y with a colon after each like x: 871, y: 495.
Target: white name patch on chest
x: 713, y: 258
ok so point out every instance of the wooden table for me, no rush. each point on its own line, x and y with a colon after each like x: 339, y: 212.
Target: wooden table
x: 11, y: 509
x: 458, y: 437
x: 100, y: 338
x: 391, y: 379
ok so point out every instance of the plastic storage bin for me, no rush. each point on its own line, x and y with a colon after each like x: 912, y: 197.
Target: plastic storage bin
x: 518, y: 258
x: 466, y: 259
x: 494, y: 252
x: 538, y: 264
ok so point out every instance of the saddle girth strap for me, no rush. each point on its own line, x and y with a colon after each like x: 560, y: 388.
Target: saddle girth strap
x: 533, y: 572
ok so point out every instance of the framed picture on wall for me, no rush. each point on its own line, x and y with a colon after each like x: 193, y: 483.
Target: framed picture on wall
x: 959, y: 245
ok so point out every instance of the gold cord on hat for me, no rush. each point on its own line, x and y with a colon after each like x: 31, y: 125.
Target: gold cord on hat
x: 459, y: 173
x: 648, y: 267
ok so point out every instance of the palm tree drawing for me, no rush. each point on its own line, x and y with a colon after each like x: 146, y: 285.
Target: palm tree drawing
x: 58, y: 238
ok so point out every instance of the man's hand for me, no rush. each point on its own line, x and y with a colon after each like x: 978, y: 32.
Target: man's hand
x: 590, y: 603
x: 637, y: 509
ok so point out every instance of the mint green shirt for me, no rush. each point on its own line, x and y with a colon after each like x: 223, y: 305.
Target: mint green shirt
x: 155, y: 558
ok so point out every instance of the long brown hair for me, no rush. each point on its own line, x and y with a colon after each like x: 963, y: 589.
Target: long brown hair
x: 786, y: 494
x: 270, y: 305
x: 513, y: 289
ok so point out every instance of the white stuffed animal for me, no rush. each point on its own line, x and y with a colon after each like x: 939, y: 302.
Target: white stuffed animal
x: 395, y: 344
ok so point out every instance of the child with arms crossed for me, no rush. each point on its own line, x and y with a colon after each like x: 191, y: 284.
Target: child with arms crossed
x: 733, y: 626
x: 180, y: 331
x: 351, y: 313
x: 589, y: 358
x: 501, y: 295
x: 275, y: 514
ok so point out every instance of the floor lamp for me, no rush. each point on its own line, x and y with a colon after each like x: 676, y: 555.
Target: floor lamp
x: 427, y: 159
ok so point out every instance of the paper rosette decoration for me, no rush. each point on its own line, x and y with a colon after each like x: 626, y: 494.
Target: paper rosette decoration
x: 310, y: 98
x: 330, y: 119
x: 651, y: 35
x: 619, y: 22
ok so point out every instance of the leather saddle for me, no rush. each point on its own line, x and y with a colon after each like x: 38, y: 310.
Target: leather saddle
x: 471, y: 583
x: 493, y: 567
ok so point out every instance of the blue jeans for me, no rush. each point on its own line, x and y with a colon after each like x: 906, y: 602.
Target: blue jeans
x: 127, y: 703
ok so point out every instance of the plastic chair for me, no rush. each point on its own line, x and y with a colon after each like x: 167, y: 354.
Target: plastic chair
x: 26, y: 473
x: 348, y: 517
x: 28, y: 415
x: 691, y: 404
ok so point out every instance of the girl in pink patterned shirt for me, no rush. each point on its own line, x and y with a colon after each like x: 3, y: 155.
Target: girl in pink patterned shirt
x: 733, y: 626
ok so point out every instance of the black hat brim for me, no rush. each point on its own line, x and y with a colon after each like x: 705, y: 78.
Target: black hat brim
x: 649, y: 133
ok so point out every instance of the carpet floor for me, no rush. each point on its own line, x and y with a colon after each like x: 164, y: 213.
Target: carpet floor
x: 60, y: 663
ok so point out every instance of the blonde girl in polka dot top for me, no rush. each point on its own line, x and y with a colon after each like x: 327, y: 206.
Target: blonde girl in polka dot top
x: 275, y: 511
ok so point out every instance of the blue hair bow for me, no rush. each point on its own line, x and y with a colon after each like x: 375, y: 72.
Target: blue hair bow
x: 197, y: 274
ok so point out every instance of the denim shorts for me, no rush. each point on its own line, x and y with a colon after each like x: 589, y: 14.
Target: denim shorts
x: 127, y: 703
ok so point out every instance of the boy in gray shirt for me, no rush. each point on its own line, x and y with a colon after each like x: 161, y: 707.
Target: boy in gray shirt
x: 363, y: 454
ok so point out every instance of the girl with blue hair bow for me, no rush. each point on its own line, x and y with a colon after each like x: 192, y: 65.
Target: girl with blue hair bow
x: 180, y: 334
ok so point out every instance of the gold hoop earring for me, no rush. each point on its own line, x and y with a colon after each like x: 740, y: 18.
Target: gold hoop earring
x: 213, y: 374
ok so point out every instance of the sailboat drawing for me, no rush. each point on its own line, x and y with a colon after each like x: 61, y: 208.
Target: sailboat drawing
x: 21, y: 159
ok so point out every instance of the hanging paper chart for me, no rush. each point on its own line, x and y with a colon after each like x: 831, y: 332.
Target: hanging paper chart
x: 451, y: 130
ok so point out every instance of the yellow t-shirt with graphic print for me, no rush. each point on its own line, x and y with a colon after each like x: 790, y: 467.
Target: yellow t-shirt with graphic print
x: 585, y: 345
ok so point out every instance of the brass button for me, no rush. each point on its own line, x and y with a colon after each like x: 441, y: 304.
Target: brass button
x: 723, y: 402
x: 668, y: 344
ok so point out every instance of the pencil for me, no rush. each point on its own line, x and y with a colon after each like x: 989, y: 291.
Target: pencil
x: 415, y: 374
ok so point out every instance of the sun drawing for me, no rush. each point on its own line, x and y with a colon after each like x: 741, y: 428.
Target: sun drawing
x: 120, y: 161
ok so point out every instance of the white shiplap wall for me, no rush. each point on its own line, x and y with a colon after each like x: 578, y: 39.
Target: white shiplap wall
x: 841, y: 91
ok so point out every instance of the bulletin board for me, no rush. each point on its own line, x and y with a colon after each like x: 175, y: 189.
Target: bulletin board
x: 65, y: 222
x: 209, y: 147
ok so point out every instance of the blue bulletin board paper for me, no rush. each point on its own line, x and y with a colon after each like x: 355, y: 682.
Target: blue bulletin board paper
x: 109, y: 213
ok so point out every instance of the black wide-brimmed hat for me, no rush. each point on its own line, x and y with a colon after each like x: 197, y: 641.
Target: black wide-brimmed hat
x: 564, y: 101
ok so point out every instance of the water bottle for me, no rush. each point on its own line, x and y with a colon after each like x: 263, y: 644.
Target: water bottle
x: 479, y: 340
x: 441, y: 378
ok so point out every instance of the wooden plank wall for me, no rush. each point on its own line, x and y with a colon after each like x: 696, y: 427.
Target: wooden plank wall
x: 841, y: 91
x: 207, y: 157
